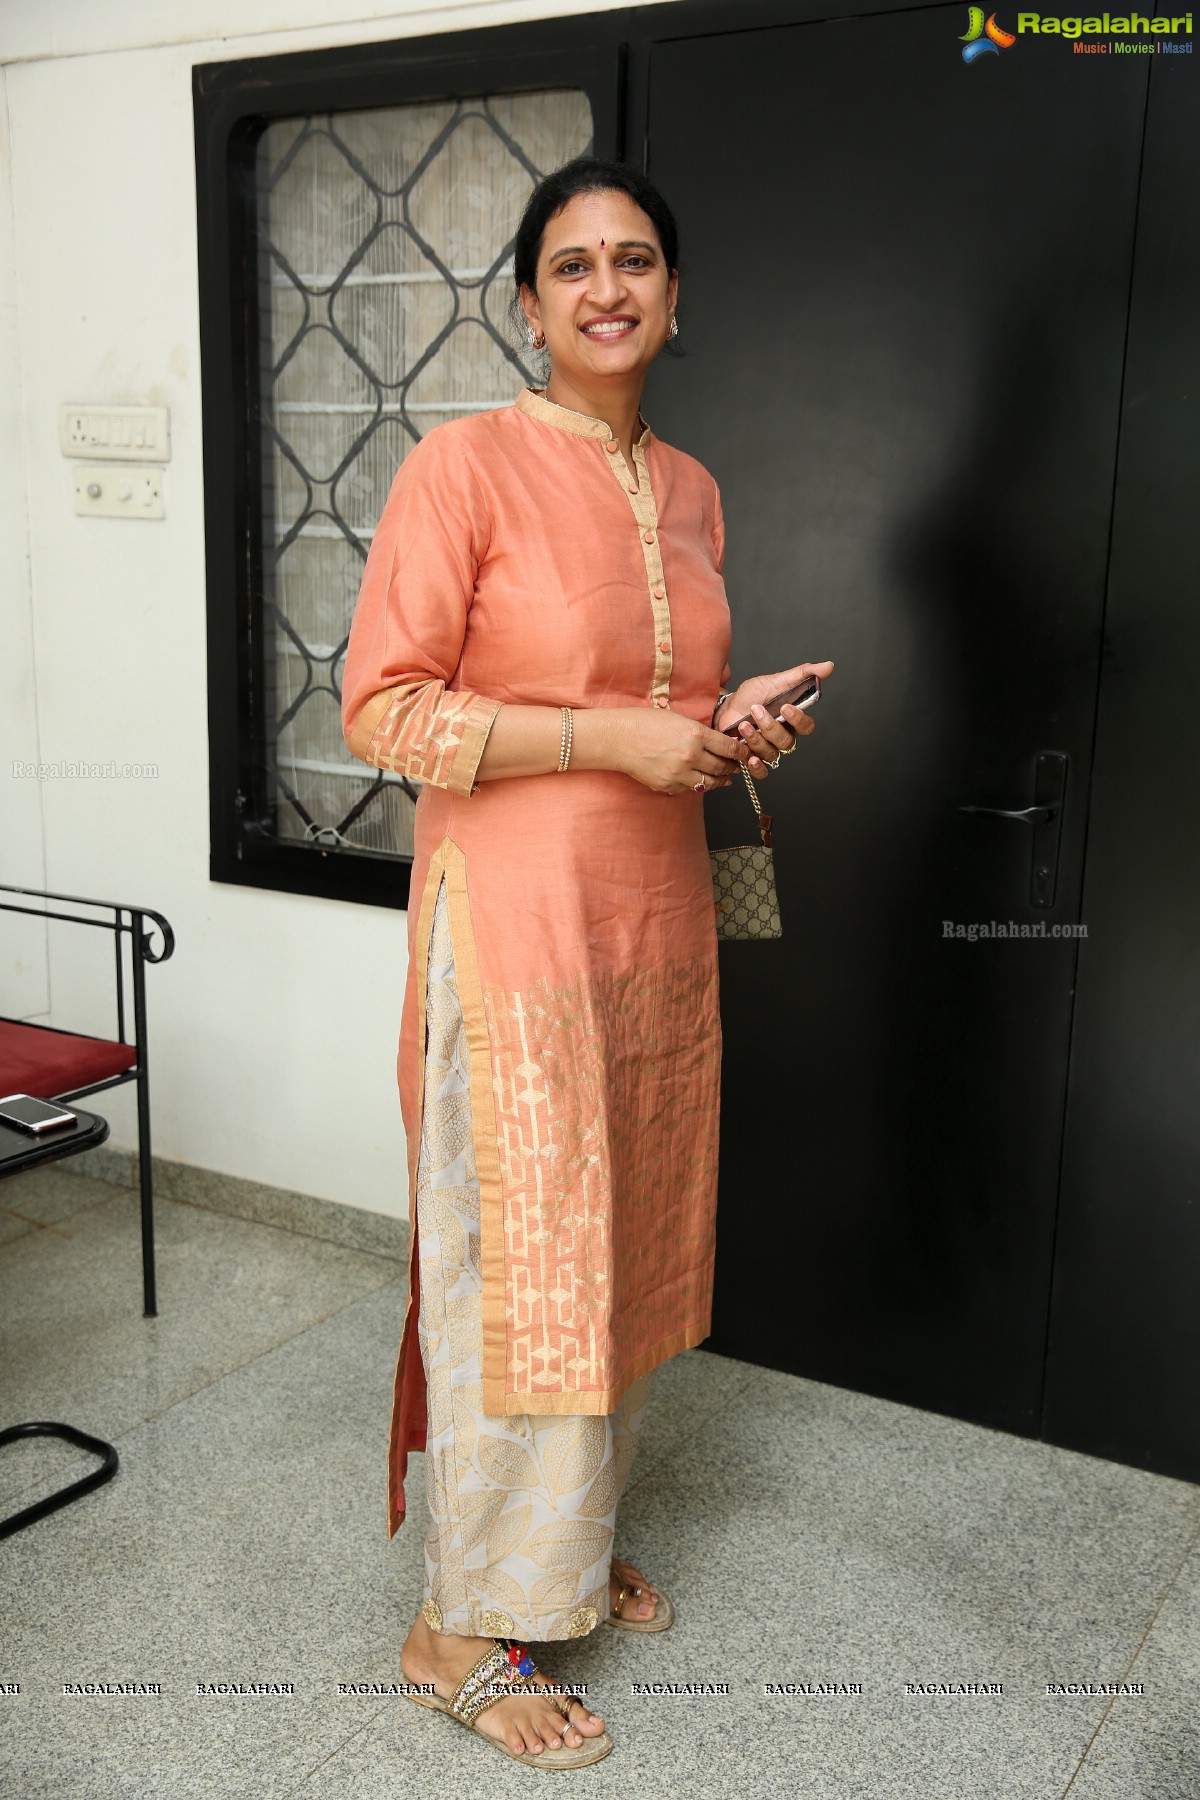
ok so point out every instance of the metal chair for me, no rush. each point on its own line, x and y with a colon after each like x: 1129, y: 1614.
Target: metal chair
x: 53, y: 1064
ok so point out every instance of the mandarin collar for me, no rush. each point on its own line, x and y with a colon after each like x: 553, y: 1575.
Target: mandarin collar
x: 533, y: 401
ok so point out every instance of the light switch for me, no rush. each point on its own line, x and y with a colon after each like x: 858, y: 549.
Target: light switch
x: 109, y: 492
x: 122, y: 433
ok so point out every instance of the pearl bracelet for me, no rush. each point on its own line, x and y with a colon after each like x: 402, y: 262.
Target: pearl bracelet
x: 564, y: 749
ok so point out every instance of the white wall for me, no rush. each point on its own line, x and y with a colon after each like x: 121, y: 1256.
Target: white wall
x: 25, y: 990
x: 273, y: 1030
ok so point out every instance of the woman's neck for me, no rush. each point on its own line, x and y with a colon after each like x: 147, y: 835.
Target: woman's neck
x: 616, y: 405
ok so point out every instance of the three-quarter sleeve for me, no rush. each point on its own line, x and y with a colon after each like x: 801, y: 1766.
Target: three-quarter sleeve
x: 410, y: 623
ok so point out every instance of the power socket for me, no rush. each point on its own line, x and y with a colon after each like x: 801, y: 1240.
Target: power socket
x: 122, y: 433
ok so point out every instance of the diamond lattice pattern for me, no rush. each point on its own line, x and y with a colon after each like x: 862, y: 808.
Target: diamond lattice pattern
x: 385, y: 244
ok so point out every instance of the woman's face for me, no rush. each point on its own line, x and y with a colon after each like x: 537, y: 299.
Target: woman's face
x: 604, y: 296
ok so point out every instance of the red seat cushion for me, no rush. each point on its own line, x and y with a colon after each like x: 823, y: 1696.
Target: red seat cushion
x: 36, y: 1059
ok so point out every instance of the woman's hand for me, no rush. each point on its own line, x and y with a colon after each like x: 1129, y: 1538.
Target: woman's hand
x: 670, y: 753
x: 771, y: 739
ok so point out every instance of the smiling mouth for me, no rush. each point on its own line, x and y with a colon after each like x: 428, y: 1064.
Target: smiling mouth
x: 609, y: 328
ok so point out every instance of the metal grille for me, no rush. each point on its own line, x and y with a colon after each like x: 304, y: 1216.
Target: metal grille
x: 386, y: 242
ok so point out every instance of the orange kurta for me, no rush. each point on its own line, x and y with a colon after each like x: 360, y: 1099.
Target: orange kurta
x: 519, y: 559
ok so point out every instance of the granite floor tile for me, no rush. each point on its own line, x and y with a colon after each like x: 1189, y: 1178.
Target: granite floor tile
x: 1148, y: 1745
x: 11, y: 1225
x: 687, y: 1392
x: 808, y: 1535
x: 52, y: 1193
x: 877, y: 1544
x: 243, y: 1541
x: 75, y: 1345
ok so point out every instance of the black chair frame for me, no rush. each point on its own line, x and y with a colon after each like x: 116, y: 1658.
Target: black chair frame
x: 131, y: 922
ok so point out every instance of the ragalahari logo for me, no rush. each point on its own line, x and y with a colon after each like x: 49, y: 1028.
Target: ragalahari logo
x: 984, y: 39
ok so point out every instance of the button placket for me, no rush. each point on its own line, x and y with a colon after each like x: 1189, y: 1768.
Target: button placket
x: 645, y: 512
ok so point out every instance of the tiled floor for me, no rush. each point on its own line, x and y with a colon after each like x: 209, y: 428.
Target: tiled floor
x: 807, y: 1535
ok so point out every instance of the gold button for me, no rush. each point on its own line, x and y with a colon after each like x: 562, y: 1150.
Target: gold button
x: 647, y: 537
x: 659, y: 592
x: 611, y: 448
x: 660, y: 701
x: 664, y: 645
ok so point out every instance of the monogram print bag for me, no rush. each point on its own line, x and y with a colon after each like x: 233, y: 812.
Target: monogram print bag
x: 744, y: 882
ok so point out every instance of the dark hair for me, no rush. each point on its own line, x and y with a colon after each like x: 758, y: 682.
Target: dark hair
x: 587, y: 175
x: 584, y: 175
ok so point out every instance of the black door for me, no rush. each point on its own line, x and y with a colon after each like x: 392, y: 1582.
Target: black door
x: 1124, y: 1348
x: 904, y: 294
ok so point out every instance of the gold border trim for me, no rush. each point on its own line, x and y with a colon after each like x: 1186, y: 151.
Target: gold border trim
x: 533, y: 401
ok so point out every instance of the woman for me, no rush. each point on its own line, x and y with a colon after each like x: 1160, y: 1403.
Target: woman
x: 541, y: 635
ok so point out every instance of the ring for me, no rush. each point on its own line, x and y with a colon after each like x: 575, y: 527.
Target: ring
x: 788, y: 748
x: 698, y: 786
x: 776, y: 763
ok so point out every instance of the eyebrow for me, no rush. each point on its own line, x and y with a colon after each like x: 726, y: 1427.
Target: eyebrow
x: 625, y: 244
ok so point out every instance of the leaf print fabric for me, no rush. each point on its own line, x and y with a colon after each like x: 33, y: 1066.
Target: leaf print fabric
x: 522, y: 1508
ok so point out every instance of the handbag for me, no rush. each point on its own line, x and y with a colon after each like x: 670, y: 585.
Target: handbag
x: 744, y: 882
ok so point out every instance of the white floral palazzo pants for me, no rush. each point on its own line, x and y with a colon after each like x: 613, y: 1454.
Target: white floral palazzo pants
x: 521, y: 1509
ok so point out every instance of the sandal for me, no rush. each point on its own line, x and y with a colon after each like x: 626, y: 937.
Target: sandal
x: 662, y: 1618
x: 508, y: 1666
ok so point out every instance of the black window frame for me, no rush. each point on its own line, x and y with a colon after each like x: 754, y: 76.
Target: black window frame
x: 233, y: 104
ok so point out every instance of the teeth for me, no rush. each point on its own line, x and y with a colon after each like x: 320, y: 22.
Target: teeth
x: 607, y: 330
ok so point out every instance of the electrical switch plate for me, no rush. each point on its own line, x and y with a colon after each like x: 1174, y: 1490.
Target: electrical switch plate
x: 109, y: 492
x: 122, y: 433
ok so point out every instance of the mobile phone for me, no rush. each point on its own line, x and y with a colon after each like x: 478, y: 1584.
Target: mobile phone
x: 33, y: 1116
x: 806, y: 693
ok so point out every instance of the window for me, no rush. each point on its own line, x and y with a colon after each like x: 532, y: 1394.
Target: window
x: 385, y: 241
x: 356, y: 213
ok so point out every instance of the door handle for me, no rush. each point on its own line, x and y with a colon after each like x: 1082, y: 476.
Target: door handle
x: 1040, y: 815
x: 1045, y: 816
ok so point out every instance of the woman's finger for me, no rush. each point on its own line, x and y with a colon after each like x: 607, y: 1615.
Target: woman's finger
x: 801, y: 722
x: 767, y: 743
x: 723, y: 744
x: 772, y: 738
x: 779, y: 735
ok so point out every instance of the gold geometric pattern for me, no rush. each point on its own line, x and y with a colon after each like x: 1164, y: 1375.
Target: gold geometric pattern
x: 521, y: 1509
x: 426, y: 730
x: 584, y: 1114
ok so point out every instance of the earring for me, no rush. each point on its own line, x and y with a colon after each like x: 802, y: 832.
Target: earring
x: 536, y: 339
x: 674, y: 331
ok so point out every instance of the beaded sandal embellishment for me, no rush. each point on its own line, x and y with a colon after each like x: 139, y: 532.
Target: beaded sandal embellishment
x: 500, y: 1670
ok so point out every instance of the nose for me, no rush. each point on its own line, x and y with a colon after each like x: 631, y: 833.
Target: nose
x: 607, y: 288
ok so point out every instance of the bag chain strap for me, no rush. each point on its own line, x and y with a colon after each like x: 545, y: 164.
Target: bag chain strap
x: 764, y: 819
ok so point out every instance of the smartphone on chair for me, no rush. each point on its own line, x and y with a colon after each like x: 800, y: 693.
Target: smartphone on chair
x: 33, y: 1116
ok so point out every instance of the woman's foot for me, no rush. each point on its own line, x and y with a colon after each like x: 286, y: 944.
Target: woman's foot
x: 639, y: 1606
x: 523, y: 1720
